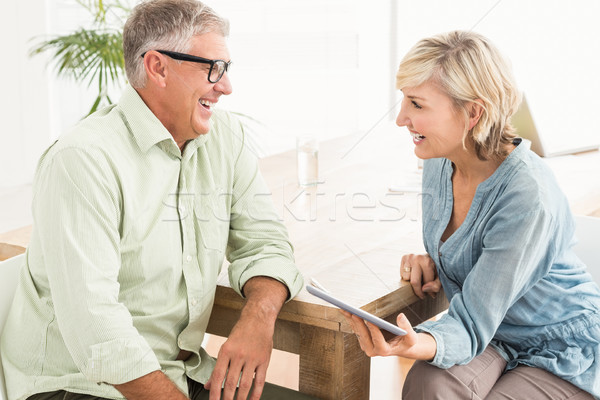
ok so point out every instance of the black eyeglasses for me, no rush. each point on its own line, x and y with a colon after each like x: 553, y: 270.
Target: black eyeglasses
x: 217, y: 67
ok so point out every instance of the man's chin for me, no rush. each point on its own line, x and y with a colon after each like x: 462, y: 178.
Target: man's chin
x: 202, y: 133
x: 202, y: 128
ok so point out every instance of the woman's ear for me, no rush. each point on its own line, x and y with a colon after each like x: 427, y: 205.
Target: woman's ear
x: 475, y: 112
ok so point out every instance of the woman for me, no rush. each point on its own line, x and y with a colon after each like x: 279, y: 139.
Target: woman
x: 524, y: 316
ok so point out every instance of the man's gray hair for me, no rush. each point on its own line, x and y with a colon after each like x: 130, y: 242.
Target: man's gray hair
x: 165, y: 25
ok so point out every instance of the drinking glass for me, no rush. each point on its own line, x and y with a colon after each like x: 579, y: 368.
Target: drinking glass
x: 307, y: 155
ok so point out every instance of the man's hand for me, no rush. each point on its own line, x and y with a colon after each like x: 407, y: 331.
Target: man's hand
x: 155, y: 385
x: 246, y: 354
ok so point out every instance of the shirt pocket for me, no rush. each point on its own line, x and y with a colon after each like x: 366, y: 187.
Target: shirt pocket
x: 150, y: 252
x: 212, y: 217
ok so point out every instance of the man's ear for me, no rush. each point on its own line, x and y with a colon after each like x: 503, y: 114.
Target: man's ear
x: 475, y: 112
x: 155, y: 66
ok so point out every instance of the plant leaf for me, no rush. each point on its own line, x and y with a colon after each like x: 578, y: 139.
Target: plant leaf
x: 94, y: 56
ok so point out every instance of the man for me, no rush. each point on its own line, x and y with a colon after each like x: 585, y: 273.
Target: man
x: 134, y: 211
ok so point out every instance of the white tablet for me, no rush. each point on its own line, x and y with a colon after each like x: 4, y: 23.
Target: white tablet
x: 356, y: 311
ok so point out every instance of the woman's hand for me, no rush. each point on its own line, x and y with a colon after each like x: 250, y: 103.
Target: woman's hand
x: 419, y: 269
x: 418, y: 346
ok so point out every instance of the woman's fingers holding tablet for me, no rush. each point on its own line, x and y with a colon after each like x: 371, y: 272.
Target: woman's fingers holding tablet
x: 361, y: 331
x: 372, y: 340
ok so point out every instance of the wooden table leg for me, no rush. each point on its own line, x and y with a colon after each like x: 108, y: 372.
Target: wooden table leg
x: 332, y: 365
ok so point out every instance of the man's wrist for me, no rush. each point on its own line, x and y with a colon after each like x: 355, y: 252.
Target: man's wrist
x: 262, y: 309
x: 264, y: 297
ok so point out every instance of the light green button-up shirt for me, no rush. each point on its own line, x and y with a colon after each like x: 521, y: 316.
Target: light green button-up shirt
x: 129, y: 238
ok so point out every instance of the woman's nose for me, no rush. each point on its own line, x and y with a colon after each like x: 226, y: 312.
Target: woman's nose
x: 402, y: 118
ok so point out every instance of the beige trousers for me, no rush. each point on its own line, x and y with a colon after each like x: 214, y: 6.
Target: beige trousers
x: 484, y: 378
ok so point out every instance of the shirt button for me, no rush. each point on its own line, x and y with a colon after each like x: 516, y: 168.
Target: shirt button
x: 194, y: 302
x: 188, y: 258
x: 440, y: 254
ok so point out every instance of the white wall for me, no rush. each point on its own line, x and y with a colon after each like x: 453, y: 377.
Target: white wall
x: 24, y: 114
x: 318, y: 67
x: 36, y: 106
x: 324, y: 67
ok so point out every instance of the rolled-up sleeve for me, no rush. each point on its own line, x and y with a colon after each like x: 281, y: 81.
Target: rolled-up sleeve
x: 81, y: 251
x: 258, y: 242
x: 517, y: 253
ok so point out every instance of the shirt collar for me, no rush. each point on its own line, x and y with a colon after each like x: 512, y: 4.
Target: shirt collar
x: 512, y: 161
x: 145, y: 127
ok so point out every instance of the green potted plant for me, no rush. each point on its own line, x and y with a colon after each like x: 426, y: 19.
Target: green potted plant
x: 93, y: 55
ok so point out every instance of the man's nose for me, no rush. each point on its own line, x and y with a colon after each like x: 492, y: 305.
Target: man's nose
x: 224, y: 85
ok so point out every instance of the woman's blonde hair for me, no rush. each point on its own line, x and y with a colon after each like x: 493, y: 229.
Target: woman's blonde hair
x: 469, y: 68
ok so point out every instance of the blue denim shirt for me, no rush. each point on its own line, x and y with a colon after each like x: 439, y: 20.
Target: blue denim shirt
x: 510, y: 274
